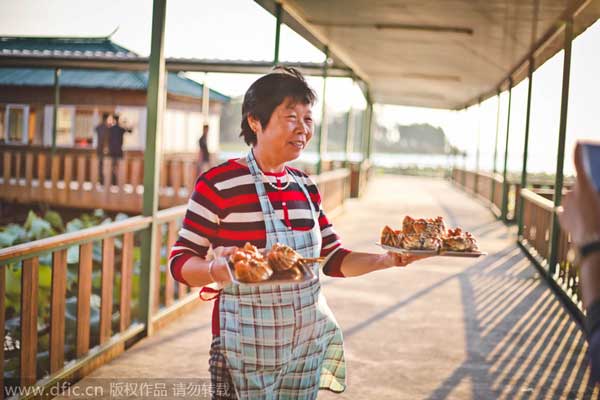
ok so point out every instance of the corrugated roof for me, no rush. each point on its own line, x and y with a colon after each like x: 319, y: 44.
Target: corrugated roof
x: 101, y: 46
x: 88, y: 78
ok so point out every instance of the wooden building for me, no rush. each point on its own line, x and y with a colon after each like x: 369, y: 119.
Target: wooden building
x: 27, y: 98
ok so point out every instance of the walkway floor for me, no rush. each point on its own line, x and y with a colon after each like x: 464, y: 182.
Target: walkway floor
x: 443, y: 328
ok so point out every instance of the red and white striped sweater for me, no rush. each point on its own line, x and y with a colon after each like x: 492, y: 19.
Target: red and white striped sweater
x: 224, y: 210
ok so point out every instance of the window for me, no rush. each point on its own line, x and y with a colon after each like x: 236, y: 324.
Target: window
x: 84, y: 128
x: 16, y: 123
x: 64, y: 128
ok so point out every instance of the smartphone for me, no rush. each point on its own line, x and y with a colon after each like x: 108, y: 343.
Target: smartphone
x: 590, y: 153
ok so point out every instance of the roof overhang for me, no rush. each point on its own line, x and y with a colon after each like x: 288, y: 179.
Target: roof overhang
x: 440, y: 54
x: 135, y: 63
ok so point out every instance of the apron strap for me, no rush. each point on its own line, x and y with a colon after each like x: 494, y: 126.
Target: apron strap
x: 207, y: 289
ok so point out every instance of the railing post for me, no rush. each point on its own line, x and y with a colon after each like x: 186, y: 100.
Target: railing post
x: 322, y: 143
x: 278, y: 9
x: 560, y: 159
x: 504, y: 174
x: 526, y: 145
x: 494, y: 170
x: 155, y: 106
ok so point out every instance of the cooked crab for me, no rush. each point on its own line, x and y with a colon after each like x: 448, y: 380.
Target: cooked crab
x: 390, y: 237
x: 282, y: 257
x: 457, y: 240
x: 249, y: 265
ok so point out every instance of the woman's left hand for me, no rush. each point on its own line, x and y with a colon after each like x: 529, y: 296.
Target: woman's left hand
x: 391, y: 259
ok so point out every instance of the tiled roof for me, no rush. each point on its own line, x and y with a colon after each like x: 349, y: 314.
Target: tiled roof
x: 87, y: 78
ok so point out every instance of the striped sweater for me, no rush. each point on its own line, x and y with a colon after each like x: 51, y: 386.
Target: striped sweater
x: 224, y: 210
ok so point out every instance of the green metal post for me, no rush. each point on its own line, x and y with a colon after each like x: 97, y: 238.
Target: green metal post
x: 526, y: 144
x: 494, y: 170
x: 478, y: 152
x: 349, y: 134
x: 57, y: 72
x: 322, y: 148
x: 505, y: 172
x: 560, y: 159
x: 278, y: 9
x: 155, y: 101
x: 370, y: 130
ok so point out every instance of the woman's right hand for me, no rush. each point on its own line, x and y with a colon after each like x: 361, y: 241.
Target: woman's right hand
x: 220, y: 269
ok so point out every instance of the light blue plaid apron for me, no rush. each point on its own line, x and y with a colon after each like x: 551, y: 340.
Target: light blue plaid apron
x: 281, y: 341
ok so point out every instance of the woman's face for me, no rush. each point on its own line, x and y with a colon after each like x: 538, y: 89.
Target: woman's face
x: 288, y: 131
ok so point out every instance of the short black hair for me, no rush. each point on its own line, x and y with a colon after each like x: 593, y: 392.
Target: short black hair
x: 105, y: 116
x: 268, y: 92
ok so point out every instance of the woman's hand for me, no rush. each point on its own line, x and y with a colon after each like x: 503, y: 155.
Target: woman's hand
x: 391, y: 259
x: 220, y: 269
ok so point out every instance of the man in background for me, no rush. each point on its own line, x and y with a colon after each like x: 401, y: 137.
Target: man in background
x: 102, y: 132
x: 115, y: 145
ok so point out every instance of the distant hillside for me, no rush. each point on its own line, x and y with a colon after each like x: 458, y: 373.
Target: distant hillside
x: 415, y: 138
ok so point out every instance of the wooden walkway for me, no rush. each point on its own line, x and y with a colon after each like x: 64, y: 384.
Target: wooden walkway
x: 443, y: 328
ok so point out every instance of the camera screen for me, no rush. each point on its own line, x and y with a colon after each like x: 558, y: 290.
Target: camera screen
x: 591, y: 162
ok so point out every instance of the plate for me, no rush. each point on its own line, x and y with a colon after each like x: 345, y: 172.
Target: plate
x: 443, y: 253
x: 278, y: 278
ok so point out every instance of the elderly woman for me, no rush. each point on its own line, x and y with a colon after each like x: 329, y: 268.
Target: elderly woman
x: 278, y: 340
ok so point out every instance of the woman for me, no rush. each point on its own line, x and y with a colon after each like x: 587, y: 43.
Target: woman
x: 274, y: 341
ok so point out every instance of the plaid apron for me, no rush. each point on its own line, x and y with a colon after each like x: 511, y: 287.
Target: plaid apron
x: 279, y: 341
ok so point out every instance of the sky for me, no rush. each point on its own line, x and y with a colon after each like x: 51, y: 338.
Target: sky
x: 240, y: 29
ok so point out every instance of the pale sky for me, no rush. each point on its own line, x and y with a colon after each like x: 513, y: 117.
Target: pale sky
x: 240, y: 29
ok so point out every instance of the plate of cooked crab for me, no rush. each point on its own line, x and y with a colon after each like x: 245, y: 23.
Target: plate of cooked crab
x: 429, y: 236
x: 278, y: 265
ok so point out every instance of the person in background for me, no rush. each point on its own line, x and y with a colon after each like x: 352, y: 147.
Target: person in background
x: 102, y: 132
x: 204, y: 156
x: 580, y: 216
x: 115, y: 145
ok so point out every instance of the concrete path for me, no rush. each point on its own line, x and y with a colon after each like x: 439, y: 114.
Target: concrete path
x: 443, y: 328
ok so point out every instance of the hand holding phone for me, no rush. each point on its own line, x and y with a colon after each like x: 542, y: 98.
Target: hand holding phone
x: 590, y: 157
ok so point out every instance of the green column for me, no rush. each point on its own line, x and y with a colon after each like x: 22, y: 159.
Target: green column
x: 526, y: 144
x: 478, y: 151
x: 504, y: 173
x: 155, y: 103
x: 57, y: 72
x: 278, y: 9
x: 322, y: 142
x: 494, y: 170
x: 560, y: 159
x: 349, y: 133
x: 369, y: 130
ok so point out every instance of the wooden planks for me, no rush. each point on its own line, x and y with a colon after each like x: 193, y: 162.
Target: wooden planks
x: 126, y: 281
x: 29, y: 313
x: 108, y: 274
x: 57, y: 310
x: 84, y: 292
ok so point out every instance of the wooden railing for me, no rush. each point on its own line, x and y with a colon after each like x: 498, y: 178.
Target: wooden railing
x: 537, y: 218
x: 489, y: 188
x: 334, y: 187
x: 73, y: 272
x: 538, y: 212
x: 78, y: 179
